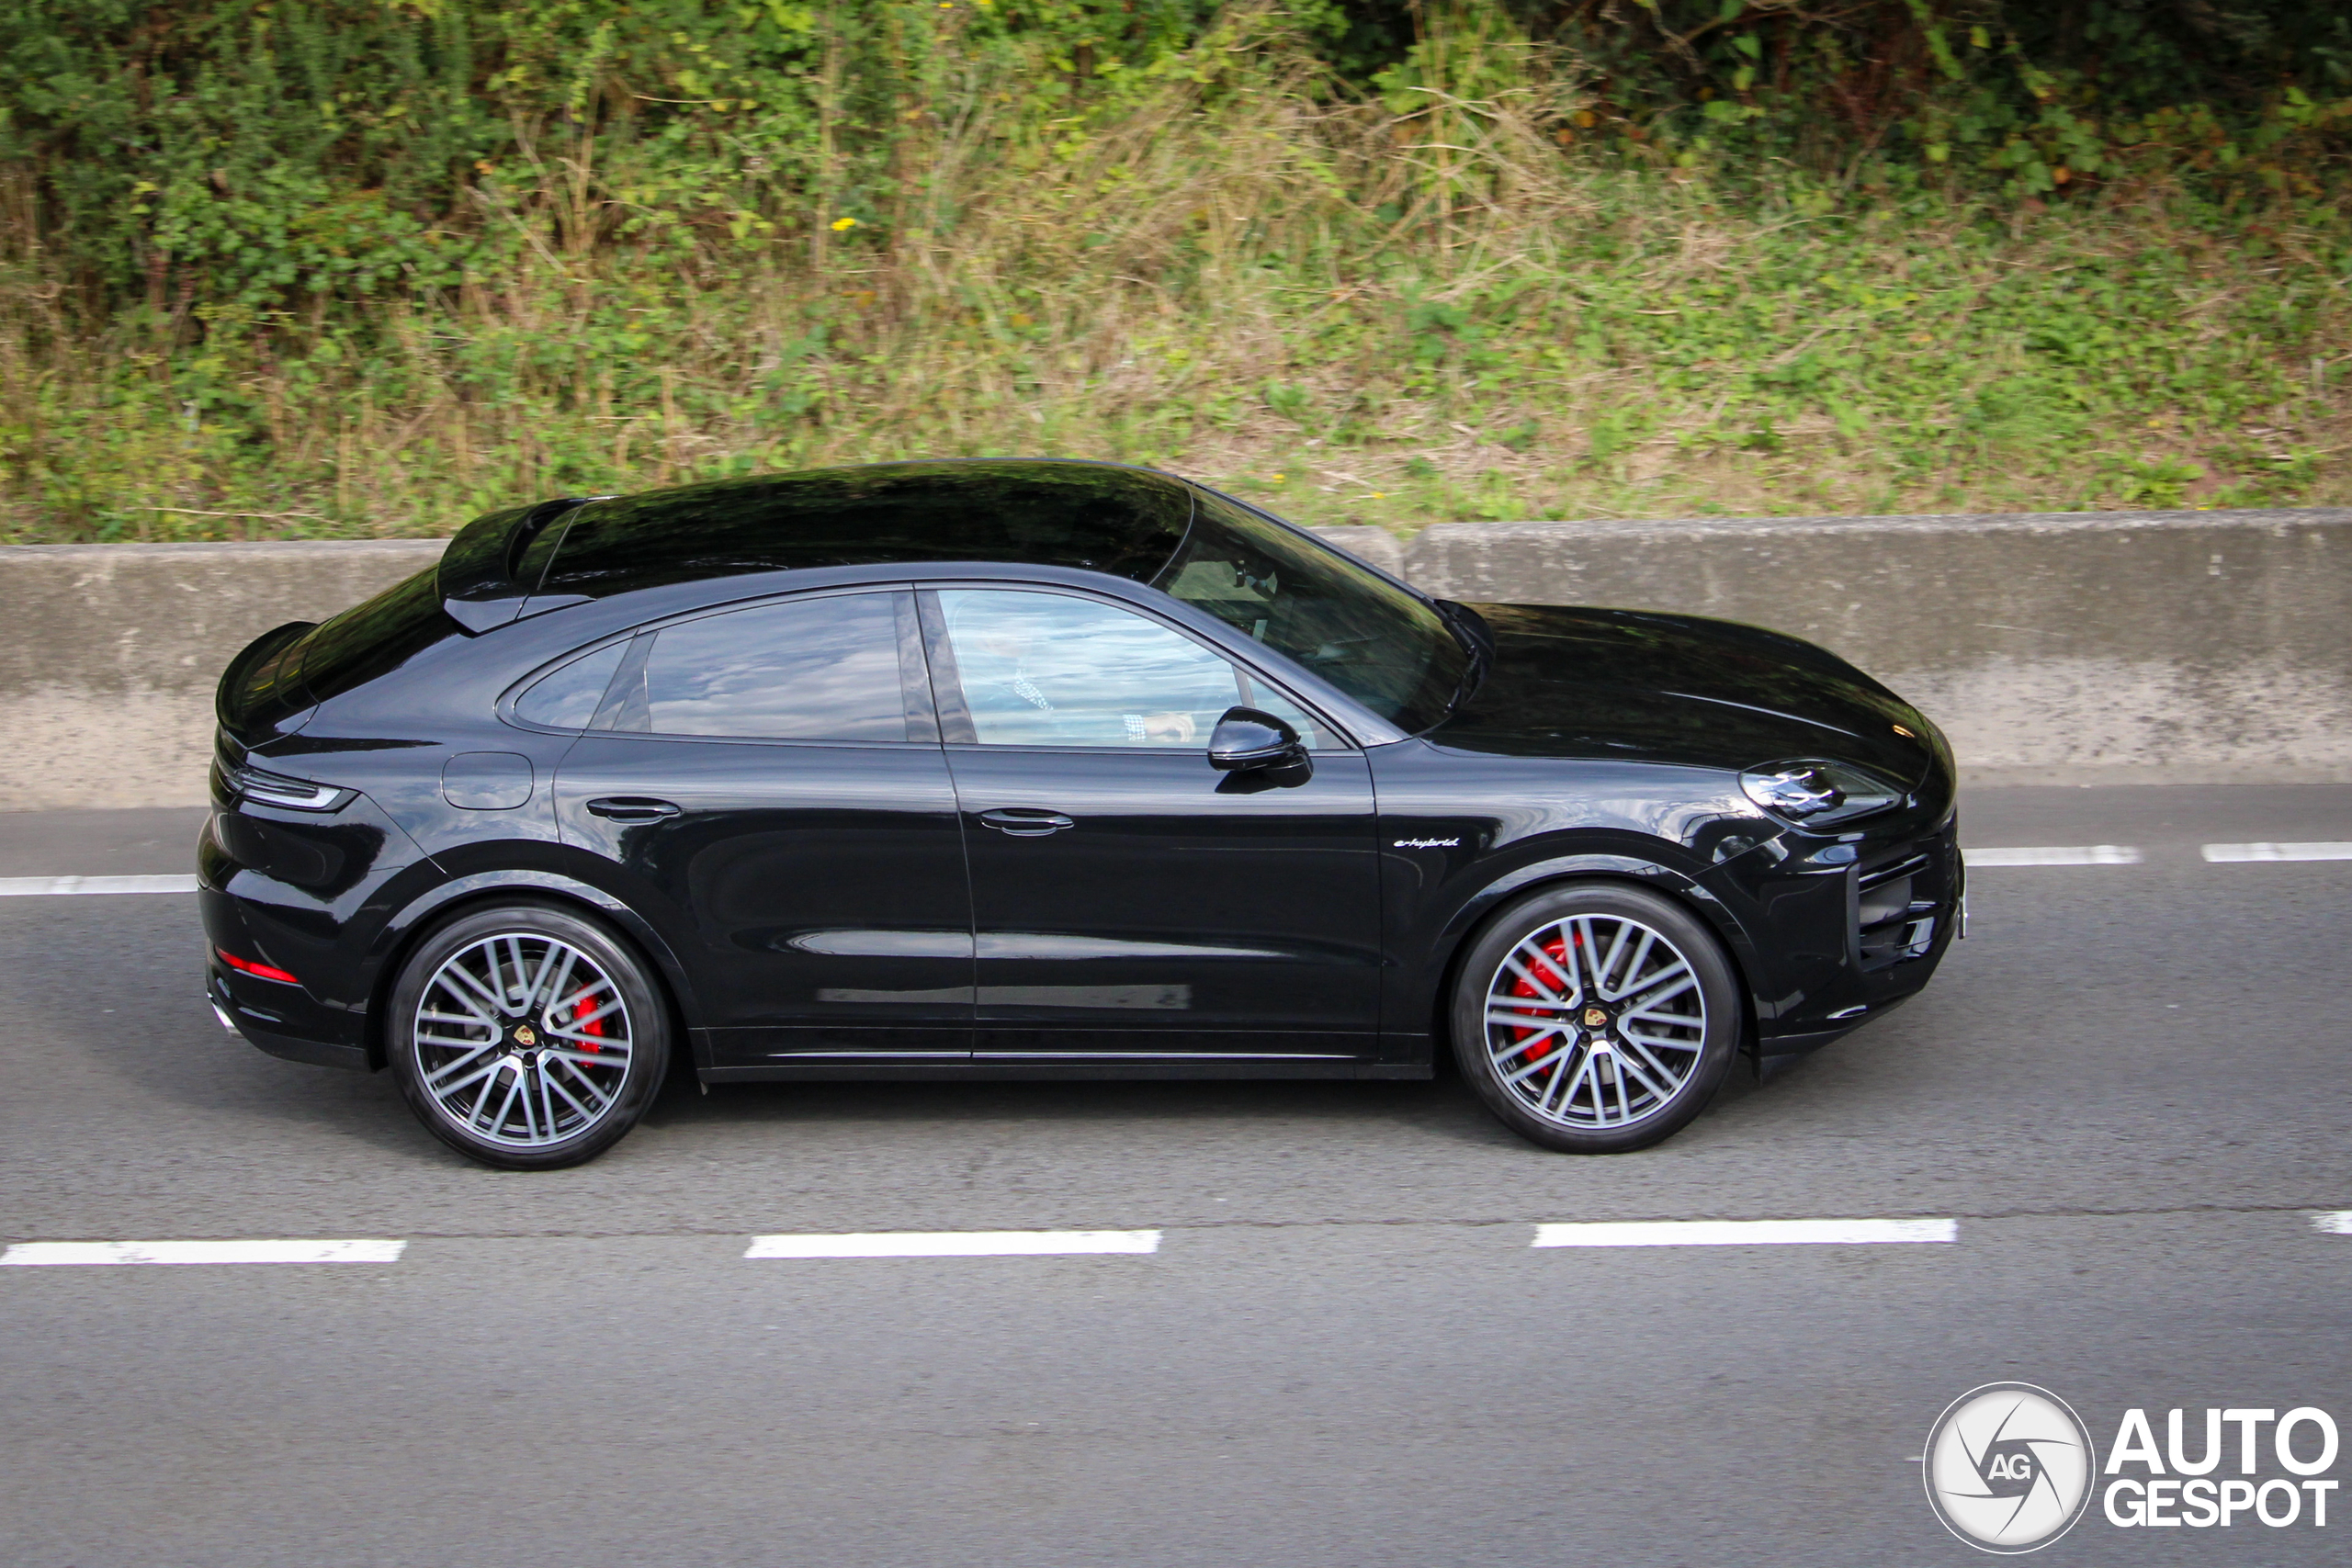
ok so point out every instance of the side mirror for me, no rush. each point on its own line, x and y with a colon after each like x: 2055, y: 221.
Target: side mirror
x: 1249, y: 741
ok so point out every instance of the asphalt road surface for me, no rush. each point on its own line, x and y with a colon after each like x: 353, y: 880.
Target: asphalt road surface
x: 2127, y: 1089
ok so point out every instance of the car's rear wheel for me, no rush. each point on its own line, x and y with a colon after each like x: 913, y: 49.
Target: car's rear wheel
x: 1595, y: 1018
x: 527, y: 1037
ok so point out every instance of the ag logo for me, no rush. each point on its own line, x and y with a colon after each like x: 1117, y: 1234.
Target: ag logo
x: 2008, y: 1467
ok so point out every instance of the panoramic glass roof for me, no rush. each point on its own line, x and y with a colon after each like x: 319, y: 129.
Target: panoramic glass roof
x: 1092, y: 517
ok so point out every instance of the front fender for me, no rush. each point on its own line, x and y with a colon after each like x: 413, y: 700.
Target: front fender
x: 1678, y: 884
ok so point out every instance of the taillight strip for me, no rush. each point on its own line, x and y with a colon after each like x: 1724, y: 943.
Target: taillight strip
x: 258, y: 971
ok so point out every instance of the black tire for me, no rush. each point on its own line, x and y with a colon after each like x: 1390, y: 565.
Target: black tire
x: 574, y: 1102
x: 1571, y: 1075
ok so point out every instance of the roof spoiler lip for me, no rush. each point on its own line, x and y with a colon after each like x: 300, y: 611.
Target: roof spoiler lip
x: 478, y: 575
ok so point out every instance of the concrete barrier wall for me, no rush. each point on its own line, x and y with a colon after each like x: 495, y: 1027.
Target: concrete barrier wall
x: 109, y: 653
x: 2054, y: 648
x: 2103, y: 647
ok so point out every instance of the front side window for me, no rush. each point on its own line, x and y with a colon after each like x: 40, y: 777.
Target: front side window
x: 1049, y: 669
x: 802, y: 670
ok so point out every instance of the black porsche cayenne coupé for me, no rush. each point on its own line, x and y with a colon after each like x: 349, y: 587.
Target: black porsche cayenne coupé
x: 1039, y: 769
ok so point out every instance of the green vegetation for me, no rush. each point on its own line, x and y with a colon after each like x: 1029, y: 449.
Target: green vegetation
x: 272, y: 268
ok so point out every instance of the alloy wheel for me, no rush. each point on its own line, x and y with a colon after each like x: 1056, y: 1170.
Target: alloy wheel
x: 522, y: 1040
x: 1595, y: 1021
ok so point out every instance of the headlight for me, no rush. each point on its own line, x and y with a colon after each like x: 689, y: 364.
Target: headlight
x: 1818, y: 793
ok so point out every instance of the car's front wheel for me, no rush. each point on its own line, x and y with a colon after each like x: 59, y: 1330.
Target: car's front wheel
x: 1595, y: 1018
x: 527, y: 1037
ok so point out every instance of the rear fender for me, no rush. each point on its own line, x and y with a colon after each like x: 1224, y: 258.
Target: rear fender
x: 392, y: 943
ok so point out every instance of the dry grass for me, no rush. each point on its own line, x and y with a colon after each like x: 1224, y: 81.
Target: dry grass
x: 1360, y: 316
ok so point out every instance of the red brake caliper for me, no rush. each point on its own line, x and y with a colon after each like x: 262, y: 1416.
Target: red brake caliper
x: 587, y: 1025
x: 1554, y: 973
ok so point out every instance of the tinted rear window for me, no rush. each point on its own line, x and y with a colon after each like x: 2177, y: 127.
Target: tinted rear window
x: 1092, y: 516
x: 372, y: 639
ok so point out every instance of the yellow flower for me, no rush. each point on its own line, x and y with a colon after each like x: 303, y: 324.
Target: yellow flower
x: 841, y: 223
x: 1278, y: 478
x: 1380, y: 495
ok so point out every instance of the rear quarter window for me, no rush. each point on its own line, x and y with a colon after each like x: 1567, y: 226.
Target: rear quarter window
x: 566, y: 698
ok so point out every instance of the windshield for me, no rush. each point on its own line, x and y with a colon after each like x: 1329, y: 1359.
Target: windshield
x: 1380, y: 645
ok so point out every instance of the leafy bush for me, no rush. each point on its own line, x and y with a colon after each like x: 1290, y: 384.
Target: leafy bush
x: 358, y: 267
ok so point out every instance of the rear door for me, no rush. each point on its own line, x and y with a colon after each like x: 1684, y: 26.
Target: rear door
x: 768, y: 781
x: 1131, y: 903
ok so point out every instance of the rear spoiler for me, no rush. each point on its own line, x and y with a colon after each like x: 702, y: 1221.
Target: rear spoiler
x: 481, y: 576
x: 261, y: 687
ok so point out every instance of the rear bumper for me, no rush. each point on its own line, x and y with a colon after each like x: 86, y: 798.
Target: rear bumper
x: 253, y: 1025
x: 282, y: 1019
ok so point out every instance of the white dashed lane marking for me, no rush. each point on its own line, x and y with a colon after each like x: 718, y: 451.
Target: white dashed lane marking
x: 1743, y: 1233
x: 2277, y: 852
x: 2055, y: 854
x: 952, y: 1244
x: 42, y: 887
x: 2131, y: 854
x: 1043, y: 1243
x: 29, y: 1254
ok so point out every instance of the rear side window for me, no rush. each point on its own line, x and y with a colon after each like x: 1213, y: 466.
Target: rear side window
x: 803, y: 670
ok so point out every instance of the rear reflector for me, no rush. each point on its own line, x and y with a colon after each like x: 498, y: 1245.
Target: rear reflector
x: 258, y: 971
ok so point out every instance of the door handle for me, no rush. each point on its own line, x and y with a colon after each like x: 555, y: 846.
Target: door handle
x: 631, y: 809
x: 1027, y: 822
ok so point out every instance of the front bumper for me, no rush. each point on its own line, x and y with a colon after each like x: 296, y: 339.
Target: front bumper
x: 1861, y: 924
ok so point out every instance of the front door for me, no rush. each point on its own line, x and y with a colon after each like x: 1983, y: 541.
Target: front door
x: 1130, y: 903
x: 770, y: 779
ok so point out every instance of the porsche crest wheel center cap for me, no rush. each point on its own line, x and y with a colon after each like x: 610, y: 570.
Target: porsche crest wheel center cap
x: 522, y: 1036
x: 1595, y: 1018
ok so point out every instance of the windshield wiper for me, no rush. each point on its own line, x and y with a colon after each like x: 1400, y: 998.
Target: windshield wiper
x: 1477, y: 639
